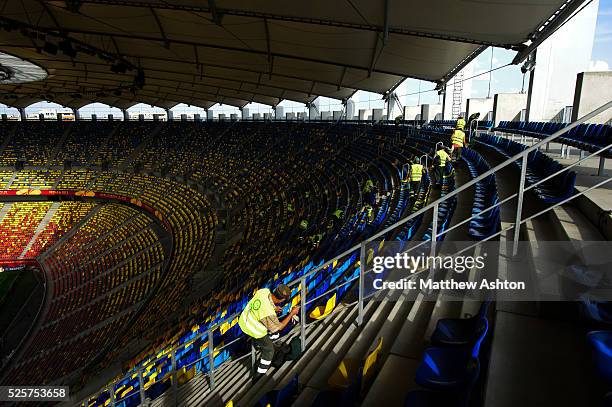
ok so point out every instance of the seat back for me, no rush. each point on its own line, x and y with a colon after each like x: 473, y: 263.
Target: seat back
x: 483, y: 328
x: 484, y: 308
x: 372, y: 357
x: 285, y: 395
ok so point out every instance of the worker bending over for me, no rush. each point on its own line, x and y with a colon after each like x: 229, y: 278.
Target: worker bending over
x: 259, y: 321
x: 458, y: 139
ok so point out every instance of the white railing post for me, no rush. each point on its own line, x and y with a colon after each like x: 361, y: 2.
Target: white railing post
x: 174, y: 375
x: 434, y: 234
x: 111, y: 390
x: 360, y: 282
x: 519, y: 204
x: 303, y: 313
x: 211, y: 360
x: 424, y: 155
x: 141, y: 386
x: 253, y: 358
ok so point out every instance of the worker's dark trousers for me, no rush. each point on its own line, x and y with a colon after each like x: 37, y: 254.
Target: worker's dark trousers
x: 439, y: 174
x: 414, y: 187
x: 456, y: 153
x: 266, y: 346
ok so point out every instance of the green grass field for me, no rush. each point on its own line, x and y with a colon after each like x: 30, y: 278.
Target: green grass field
x: 15, y: 288
x: 6, y: 282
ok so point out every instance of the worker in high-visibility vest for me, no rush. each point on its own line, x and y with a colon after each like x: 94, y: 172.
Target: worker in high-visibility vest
x: 316, y: 239
x: 439, y: 162
x: 336, y: 219
x: 369, y: 197
x: 416, y: 174
x: 458, y: 139
x: 259, y: 321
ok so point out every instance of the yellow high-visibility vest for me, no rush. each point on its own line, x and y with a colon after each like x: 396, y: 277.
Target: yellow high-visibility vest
x: 443, y: 157
x: 458, y: 138
x: 416, y: 172
x: 257, y: 309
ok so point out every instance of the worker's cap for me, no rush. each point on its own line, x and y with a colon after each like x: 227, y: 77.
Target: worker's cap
x: 282, y: 292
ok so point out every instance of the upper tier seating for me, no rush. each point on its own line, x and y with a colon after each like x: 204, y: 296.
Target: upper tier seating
x: 539, y: 167
x: 33, y: 143
x: 485, y: 195
x: 587, y: 137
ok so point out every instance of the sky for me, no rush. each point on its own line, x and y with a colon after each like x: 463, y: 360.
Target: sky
x: 411, y: 92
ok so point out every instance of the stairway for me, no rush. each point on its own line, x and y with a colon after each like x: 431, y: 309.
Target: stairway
x: 540, y: 345
x: 60, y: 143
x: 41, y: 227
x: 4, y: 210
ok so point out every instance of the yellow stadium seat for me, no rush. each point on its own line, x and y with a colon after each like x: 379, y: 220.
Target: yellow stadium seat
x: 372, y: 357
x: 348, y: 368
x: 322, y: 311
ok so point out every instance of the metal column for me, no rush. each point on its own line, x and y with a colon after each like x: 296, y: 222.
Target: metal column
x: 360, y: 282
x: 174, y: 376
x: 434, y: 234
x: 519, y: 205
x: 211, y: 360
x: 303, y: 313
x: 111, y: 390
x: 141, y: 387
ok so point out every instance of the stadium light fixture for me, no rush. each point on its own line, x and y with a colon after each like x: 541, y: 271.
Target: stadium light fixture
x: 6, y: 73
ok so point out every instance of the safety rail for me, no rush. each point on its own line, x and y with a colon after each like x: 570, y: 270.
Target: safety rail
x: 362, y: 248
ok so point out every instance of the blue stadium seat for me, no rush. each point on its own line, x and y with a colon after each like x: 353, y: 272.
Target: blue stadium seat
x: 461, y: 331
x: 597, y: 311
x: 453, y: 368
x: 540, y: 166
x: 601, y: 343
x: 281, y: 398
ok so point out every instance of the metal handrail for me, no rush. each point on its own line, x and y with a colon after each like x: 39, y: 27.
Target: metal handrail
x: 362, y: 248
x: 535, y: 184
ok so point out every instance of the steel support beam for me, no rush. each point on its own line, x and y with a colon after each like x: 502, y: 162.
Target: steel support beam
x: 160, y: 27
x: 307, y: 20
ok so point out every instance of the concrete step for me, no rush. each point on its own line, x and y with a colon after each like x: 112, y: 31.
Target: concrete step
x: 395, y: 377
x: 538, y: 363
x: 354, y: 349
x: 573, y: 225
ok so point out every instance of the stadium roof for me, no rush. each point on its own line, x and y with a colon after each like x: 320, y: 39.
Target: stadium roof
x: 203, y: 52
